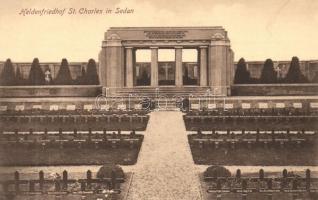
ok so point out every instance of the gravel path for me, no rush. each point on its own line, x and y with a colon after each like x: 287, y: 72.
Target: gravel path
x: 165, y: 169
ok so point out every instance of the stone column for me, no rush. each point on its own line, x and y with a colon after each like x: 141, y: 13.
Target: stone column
x: 112, y: 67
x: 231, y: 71
x: 134, y: 68
x: 203, y: 66
x: 179, y: 71
x: 218, y: 64
x: 154, y: 66
x: 129, y: 67
x: 102, y: 65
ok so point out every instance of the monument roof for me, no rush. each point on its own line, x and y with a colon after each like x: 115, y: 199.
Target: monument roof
x: 166, y: 27
x: 166, y: 33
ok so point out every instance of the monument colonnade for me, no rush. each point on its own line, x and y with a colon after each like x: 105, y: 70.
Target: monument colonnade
x: 215, y: 57
x: 129, y: 63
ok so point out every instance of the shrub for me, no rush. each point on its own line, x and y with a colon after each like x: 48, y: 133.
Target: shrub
x: 242, y: 75
x: 91, y: 77
x: 268, y: 73
x: 217, y: 171
x: 36, y: 76
x: 294, y: 74
x: 106, y: 171
x: 7, y: 76
x: 63, y: 76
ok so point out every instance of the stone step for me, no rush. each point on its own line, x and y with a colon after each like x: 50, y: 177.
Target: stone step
x: 159, y: 91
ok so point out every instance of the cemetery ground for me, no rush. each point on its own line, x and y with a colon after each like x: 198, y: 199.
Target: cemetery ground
x: 65, y: 139
x: 268, y: 123
x: 258, y: 153
x: 22, y: 156
x: 165, y: 168
x: 253, y: 140
x: 75, y: 191
x: 69, y: 122
x: 209, y: 191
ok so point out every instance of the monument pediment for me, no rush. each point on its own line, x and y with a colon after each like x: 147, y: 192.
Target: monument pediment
x: 113, y: 36
x: 166, y: 33
x: 170, y: 34
x: 218, y: 36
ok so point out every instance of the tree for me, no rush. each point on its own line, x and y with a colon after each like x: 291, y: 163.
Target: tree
x: 242, y: 75
x: 36, y: 75
x: 63, y: 76
x: 91, y: 77
x: 268, y: 73
x: 294, y: 75
x: 7, y: 75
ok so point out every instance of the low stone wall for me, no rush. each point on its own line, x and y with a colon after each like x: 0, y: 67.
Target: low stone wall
x: 274, y: 89
x: 50, y: 91
x: 263, y: 102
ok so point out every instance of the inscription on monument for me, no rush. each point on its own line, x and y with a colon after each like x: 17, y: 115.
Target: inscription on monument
x: 165, y: 34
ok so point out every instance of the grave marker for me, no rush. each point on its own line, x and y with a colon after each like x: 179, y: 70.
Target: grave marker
x: 104, y: 107
x: 37, y: 107
x: 195, y: 106
x: 228, y: 106
x: 122, y: 107
x: 246, y: 105
x: 19, y: 107
x: 297, y: 105
x: 262, y: 105
x: 70, y: 107
x: 54, y: 107
x: 280, y: 105
x: 314, y: 105
x: 211, y: 106
x: 3, y: 108
x: 138, y: 106
x: 88, y: 107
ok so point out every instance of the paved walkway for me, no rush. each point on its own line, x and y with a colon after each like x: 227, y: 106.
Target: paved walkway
x: 165, y: 169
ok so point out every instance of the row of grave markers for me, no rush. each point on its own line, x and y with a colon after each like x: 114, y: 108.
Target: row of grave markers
x: 193, y: 106
x: 241, y: 132
x: 262, y: 105
x: 284, y: 181
x: 72, y: 107
x: 60, y: 184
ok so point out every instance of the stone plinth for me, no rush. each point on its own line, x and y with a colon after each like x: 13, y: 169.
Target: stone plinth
x: 50, y: 91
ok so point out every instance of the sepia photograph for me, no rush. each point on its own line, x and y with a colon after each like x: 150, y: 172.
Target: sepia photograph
x: 158, y: 100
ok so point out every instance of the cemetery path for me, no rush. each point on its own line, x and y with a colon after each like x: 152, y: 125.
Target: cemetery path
x: 165, y: 169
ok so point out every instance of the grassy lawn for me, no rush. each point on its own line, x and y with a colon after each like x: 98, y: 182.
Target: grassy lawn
x: 259, y: 196
x: 35, y: 156
x: 207, y: 125
x: 208, y: 155
x: 124, y: 188
x: 70, y: 125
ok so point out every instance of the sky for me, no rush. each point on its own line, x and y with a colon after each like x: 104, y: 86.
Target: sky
x: 277, y: 29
